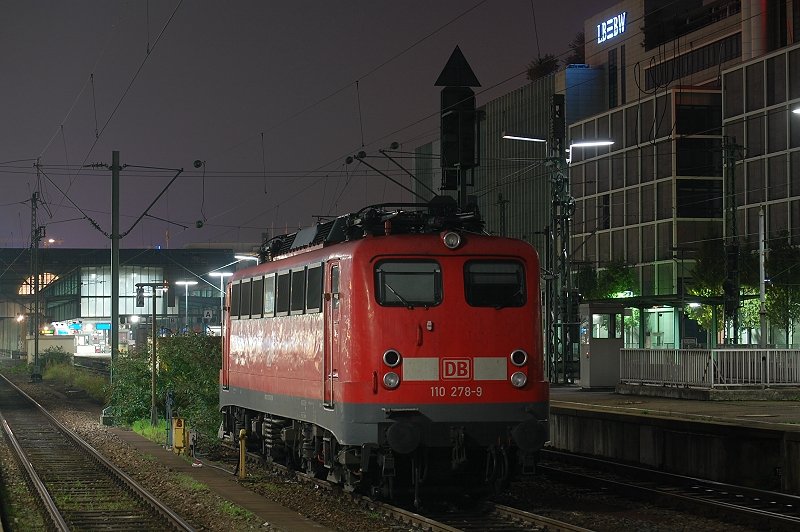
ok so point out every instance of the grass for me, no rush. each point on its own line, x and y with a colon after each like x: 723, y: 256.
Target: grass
x: 188, y: 483
x: 157, y: 434
x: 232, y: 510
x: 95, y: 386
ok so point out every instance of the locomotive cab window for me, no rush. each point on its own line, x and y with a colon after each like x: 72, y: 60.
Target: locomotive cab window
x: 408, y: 283
x: 494, y: 283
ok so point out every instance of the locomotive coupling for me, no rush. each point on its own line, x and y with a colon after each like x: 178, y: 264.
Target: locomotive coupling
x: 531, y: 435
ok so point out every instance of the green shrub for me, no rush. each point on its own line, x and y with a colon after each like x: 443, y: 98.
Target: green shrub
x: 130, y: 389
x: 189, y: 366
x: 55, y: 355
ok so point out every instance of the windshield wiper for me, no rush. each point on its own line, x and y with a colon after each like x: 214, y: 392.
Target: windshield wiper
x: 408, y: 305
x: 509, y: 300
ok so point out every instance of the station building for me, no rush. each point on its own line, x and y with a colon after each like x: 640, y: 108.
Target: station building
x: 75, y: 296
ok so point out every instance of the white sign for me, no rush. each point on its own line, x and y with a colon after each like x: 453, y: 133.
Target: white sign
x: 611, y: 28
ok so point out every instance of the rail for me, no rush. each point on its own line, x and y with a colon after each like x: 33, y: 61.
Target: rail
x: 711, y: 368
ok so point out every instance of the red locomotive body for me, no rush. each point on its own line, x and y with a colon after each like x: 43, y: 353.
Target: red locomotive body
x: 367, y: 353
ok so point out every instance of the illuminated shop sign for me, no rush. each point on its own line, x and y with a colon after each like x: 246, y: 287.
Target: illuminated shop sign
x: 610, y: 28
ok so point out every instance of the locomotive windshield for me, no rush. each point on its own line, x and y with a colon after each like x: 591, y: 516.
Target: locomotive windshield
x: 408, y: 283
x: 494, y: 283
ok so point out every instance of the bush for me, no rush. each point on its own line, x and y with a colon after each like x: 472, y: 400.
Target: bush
x: 55, y: 355
x: 189, y: 366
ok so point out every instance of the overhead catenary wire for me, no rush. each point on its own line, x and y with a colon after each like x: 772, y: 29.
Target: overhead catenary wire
x: 326, y: 177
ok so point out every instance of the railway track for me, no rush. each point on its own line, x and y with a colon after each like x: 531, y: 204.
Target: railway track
x: 494, y: 517
x: 78, y: 488
x: 762, y: 509
x: 484, y: 517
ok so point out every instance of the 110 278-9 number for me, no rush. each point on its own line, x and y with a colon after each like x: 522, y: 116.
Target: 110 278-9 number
x: 456, y: 391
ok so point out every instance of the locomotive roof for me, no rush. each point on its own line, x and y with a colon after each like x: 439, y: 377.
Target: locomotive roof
x: 440, y: 214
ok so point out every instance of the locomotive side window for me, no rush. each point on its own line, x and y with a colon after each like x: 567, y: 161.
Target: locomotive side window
x: 282, y: 294
x: 235, y: 291
x: 335, y: 286
x: 257, y: 299
x: 314, y: 288
x: 244, y: 303
x: 408, y: 283
x: 298, y: 291
x: 494, y: 283
x: 269, y: 296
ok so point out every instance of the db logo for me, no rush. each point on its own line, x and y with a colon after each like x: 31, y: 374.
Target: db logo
x: 455, y: 368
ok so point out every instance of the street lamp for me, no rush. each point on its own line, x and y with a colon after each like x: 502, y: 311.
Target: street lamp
x: 246, y: 257
x: 587, y: 144
x: 222, y: 276
x: 187, y: 284
x: 519, y: 136
x: 558, y: 259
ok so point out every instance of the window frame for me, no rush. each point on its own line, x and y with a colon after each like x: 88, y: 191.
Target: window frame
x: 297, y: 273
x: 235, y: 300
x: 379, y: 286
x: 318, y: 266
x: 279, y: 292
x: 269, y: 282
x: 523, y: 285
x: 257, y: 302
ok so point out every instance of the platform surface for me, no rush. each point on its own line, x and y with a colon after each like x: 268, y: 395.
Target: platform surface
x: 779, y: 415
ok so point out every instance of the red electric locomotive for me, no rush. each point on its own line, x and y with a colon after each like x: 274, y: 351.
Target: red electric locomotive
x: 397, y: 346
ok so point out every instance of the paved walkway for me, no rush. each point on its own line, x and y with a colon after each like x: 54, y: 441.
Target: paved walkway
x: 224, y: 483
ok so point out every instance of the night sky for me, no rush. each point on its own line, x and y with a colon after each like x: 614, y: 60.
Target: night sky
x: 271, y: 96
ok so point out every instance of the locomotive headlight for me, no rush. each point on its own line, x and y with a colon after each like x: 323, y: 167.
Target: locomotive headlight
x: 518, y: 379
x: 391, y: 380
x: 519, y: 357
x: 391, y: 358
x: 451, y: 240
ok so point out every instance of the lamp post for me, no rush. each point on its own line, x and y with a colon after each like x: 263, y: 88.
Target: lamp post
x: 222, y: 276
x: 558, y: 287
x: 186, y: 284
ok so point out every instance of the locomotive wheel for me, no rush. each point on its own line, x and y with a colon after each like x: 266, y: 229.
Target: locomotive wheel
x: 497, y: 470
x: 384, y: 489
x: 503, y: 478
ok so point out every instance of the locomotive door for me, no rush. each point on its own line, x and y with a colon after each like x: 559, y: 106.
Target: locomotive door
x: 331, y: 356
x: 225, y: 332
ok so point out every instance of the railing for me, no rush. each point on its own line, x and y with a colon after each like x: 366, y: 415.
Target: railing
x: 711, y: 368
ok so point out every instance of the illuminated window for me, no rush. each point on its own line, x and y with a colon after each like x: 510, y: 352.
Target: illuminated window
x: 45, y: 279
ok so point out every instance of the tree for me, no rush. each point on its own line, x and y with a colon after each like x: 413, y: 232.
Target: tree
x: 577, y: 48
x: 708, y: 273
x: 783, y: 292
x: 542, y: 66
x: 615, y: 278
